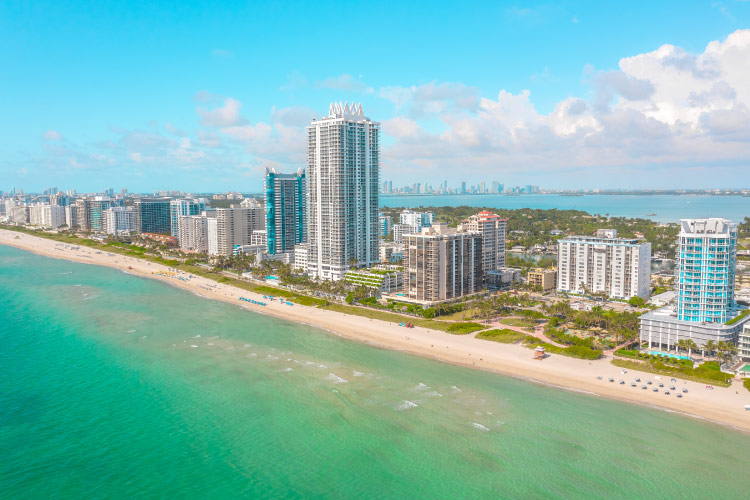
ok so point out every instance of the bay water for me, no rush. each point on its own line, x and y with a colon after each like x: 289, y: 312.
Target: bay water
x: 661, y: 208
x: 115, y: 386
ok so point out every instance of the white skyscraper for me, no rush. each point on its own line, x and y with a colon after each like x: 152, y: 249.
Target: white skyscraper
x: 618, y: 267
x: 343, y: 158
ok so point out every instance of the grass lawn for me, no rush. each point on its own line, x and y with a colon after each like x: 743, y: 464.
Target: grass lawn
x: 461, y: 315
x: 504, y: 336
x: 464, y: 328
x: 519, y: 322
x: 708, y: 373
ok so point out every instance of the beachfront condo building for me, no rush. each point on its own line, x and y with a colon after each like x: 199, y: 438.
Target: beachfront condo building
x: 704, y: 308
x: 230, y: 227
x: 119, y: 220
x: 705, y: 268
x: 184, y: 206
x: 343, y: 158
x: 286, y: 210
x: 193, y: 233
x: 492, y: 228
x: 47, y: 216
x: 617, y: 267
x: 441, y: 264
x: 152, y: 215
x: 90, y: 212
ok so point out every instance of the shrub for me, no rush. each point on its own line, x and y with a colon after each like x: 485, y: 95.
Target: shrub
x: 349, y: 298
x: 636, y: 301
x: 428, y: 313
x: 464, y: 328
x: 504, y: 336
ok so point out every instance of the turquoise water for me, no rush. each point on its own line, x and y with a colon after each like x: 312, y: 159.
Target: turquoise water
x: 109, y: 392
x: 667, y: 355
x: 667, y: 208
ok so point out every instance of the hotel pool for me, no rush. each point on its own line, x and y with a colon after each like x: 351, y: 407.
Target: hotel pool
x: 666, y: 354
x: 745, y: 368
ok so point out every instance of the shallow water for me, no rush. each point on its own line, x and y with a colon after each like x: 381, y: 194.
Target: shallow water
x: 117, y: 386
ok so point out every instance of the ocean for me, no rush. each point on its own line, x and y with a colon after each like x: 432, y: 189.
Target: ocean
x: 661, y: 208
x: 115, y: 386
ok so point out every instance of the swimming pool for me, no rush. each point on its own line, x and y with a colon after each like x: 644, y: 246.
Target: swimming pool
x: 745, y: 368
x: 667, y: 355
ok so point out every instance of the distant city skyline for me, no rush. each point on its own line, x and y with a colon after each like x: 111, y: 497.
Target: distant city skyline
x: 565, y: 95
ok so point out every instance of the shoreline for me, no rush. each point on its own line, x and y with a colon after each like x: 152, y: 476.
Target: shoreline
x: 724, y: 406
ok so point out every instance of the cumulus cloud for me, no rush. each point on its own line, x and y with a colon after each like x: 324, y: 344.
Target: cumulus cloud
x: 663, y: 109
x: 227, y: 115
x: 52, y: 135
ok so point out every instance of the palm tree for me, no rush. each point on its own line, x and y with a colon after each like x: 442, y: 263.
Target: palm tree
x: 690, y: 346
x: 709, y: 347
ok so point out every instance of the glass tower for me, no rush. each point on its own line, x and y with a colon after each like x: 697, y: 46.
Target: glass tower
x: 705, y: 271
x: 285, y: 210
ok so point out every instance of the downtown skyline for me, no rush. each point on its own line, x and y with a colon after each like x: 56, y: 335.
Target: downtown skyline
x: 198, y: 107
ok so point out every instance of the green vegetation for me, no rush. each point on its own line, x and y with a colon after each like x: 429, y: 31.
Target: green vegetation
x: 504, y: 336
x: 746, y: 383
x: 707, y: 373
x: 637, y: 301
x: 519, y: 323
x: 737, y: 318
x: 528, y: 227
x: 574, y: 351
x: 464, y: 328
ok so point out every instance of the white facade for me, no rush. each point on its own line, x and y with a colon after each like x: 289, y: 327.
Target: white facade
x: 300, y: 256
x: 259, y: 238
x: 119, y: 220
x: 399, y: 230
x: 620, y: 268
x: 343, y: 158
x: 421, y: 219
x: 47, y: 216
x: 492, y: 228
x: 193, y: 233
x: 229, y: 227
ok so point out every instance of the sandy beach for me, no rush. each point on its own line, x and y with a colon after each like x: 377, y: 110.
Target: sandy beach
x: 720, y: 405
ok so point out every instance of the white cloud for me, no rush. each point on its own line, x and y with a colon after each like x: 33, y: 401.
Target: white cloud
x: 227, y: 115
x: 663, y: 109
x: 52, y: 135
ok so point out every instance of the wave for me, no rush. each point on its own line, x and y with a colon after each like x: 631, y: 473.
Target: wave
x: 480, y: 427
x: 405, y: 405
x: 332, y: 377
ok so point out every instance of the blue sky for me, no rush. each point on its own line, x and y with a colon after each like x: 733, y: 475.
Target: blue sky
x: 202, y: 95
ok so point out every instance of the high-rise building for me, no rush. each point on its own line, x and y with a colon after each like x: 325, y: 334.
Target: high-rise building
x: 704, y: 309
x: 492, y: 228
x: 193, y: 233
x: 119, y: 220
x: 617, y: 267
x: 705, y: 270
x: 343, y: 158
x: 441, y: 264
x: 152, y: 215
x: 385, y: 224
x: 286, y: 210
x: 90, y: 212
x: 184, y: 206
x: 47, y: 216
x: 229, y: 227
x: 421, y: 219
